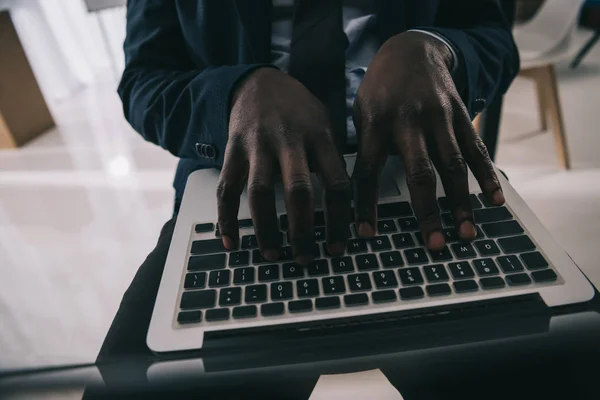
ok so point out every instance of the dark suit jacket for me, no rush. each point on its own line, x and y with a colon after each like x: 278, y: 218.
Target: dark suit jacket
x: 184, y: 58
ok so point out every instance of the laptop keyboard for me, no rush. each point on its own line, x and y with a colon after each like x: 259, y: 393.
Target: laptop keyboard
x: 221, y: 285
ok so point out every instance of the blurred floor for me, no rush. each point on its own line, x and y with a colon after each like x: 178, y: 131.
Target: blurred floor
x: 82, y: 206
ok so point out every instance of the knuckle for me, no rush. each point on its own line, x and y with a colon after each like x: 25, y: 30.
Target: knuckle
x: 225, y: 191
x: 299, y: 184
x: 455, y: 165
x: 420, y: 174
x: 259, y: 187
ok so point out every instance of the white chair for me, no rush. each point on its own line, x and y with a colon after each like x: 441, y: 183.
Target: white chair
x: 544, y: 41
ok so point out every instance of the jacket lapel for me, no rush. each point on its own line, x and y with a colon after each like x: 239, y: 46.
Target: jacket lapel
x: 255, y: 17
x: 396, y: 16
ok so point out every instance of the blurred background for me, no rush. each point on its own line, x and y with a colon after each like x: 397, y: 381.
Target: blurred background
x: 83, y: 197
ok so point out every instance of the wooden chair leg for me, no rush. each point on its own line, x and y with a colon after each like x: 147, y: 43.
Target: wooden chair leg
x: 555, y: 112
x: 542, y: 106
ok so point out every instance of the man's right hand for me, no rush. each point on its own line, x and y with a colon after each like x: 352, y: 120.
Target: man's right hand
x: 277, y: 125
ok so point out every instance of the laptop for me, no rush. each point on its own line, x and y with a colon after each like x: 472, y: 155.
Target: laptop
x: 207, y: 291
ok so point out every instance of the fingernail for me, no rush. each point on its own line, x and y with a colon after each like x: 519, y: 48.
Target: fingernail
x: 228, y: 242
x: 336, y: 248
x: 436, y: 240
x: 498, y: 197
x: 467, y: 230
x: 271, y: 254
x: 365, y: 230
x: 304, y: 259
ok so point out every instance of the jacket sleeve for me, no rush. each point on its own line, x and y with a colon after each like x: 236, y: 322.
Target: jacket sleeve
x: 167, y: 98
x: 488, y: 57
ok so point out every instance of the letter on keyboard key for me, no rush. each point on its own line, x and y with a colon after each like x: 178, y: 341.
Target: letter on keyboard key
x: 380, y: 243
x: 534, y: 260
x: 255, y: 294
x: 461, y: 270
x: 506, y: 228
x: 342, y: 264
x: 196, y: 280
x: 230, y: 296
x: 351, y: 300
x: 411, y: 293
x: 366, y: 262
x: 217, y: 314
x: 510, y: 264
x: 486, y: 267
x: 463, y: 250
x: 487, y: 248
x: 268, y: 273
x: 323, y: 303
x: 408, y: 224
x: 545, y: 275
x: 416, y: 256
x: 435, y: 273
x: 281, y: 291
x: 188, y: 317
x: 386, y: 226
x: 465, y: 286
x: 492, y: 283
x: 518, y: 279
x: 440, y: 289
x: 208, y: 246
x: 385, y: 279
x: 391, y: 259
x: 206, y: 263
x: 516, y: 244
x: 486, y: 215
x: 402, y: 240
x: 299, y: 306
x: 318, y: 268
x: 269, y: 310
x: 292, y: 271
x: 357, y: 246
x: 383, y: 296
x: 333, y: 285
x: 410, y: 276
x: 198, y: 299
x: 359, y: 282
x: 244, y: 312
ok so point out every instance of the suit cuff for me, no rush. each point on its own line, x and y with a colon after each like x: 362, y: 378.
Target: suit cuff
x: 447, y: 43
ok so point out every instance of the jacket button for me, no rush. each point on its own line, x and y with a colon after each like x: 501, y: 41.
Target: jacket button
x: 200, y: 149
x: 479, y: 105
x: 210, y: 152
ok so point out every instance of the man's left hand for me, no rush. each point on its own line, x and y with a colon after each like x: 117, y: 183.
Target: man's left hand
x: 408, y: 104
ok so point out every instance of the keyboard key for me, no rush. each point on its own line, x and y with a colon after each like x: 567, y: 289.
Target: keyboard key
x: 380, y: 243
x: 463, y: 250
x: 410, y: 276
x: 198, y: 299
x: 442, y: 255
x: 487, y: 247
x: 386, y: 226
x: 351, y: 300
x: 357, y: 246
x: 408, y: 224
x: 341, y: 265
x: 196, y: 280
x: 480, y: 233
x: 518, y: 279
x: 447, y: 219
x: 208, y: 246
x: 244, y: 312
x: 465, y: 286
x: 484, y: 200
x: 333, y: 285
x: 385, y: 279
x: 391, y: 259
x: 389, y: 210
x: 286, y: 254
x: 486, y: 267
x: 257, y: 257
x: 271, y: 309
x: 416, y: 256
x: 383, y: 296
x: 461, y: 270
x: 402, y: 240
x: 359, y: 282
x: 534, y: 260
x: 435, y: 273
x: 299, y: 306
x: 440, y: 289
x: 510, y: 264
x: 486, y: 215
x: 243, y: 276
x: 411, y: 293
x: 219, y: 278
x: 268, y: 273
x: 319, y: 218
x: 320, y: 234
x: 292, y: 271
x: 506, y: 228
x: 201, y: 228
x: 206, y: 263
x: 545, y: 275
x: 516, y: 244
x: 282, y: 291
x: 492, y: 283
x: 249, y: 242
x: 230, y: 296
x: 255, y: 294
x: 217, y: 233
x: 188, y: 317
x: 217, y: 314
x: 283, y: 222
x: 307, y: 288
x: 366, y: 262
x: 318, y: 268
x: 239, y: 258
x: 450, y: 235
x: 323, y: 303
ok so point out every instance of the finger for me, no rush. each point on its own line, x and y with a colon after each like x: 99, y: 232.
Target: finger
x: 477, y: 157
x: 421, y: 182
x: 261, y: 199
x: 229, y: 189
x: 337, y: 193
x: 452, y: 168
x: 299, y: 201
x: 370, y: 159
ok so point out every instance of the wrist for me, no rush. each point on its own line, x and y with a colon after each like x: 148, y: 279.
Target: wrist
x: 426, y: 47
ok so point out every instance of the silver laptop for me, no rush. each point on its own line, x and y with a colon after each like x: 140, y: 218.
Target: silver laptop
x: 207, y: 290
